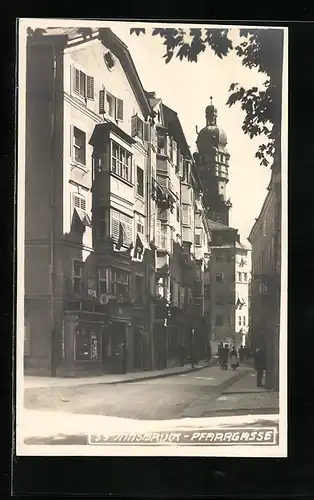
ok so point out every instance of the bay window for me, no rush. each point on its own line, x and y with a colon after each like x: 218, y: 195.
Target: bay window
x: 119, y: 282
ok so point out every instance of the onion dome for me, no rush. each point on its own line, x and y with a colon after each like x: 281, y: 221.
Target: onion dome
x: 211, y: 135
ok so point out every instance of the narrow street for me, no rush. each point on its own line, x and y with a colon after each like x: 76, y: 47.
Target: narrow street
x: 203, y: 393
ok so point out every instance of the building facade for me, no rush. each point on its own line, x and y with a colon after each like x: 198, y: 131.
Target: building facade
x: 117, y: 242
x: 265, y: 286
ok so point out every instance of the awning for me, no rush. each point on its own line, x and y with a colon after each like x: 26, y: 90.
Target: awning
x: 84, y: 217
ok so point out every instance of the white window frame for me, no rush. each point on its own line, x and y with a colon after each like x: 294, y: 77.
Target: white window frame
x: 75, y: 146
x: 79, y: 276
x: 120, y: 165
x: 79, y: 201
x: 104, y: 279
x: 137, y: 182
x: 89, y: 83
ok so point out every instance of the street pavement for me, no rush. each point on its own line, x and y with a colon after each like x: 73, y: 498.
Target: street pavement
x: 185, y: 395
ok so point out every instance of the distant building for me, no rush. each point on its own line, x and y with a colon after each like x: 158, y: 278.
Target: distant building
x: 230, y: 266
x: 265, y: 287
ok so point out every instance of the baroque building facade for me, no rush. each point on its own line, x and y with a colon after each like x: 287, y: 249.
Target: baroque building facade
x: 117, y: 239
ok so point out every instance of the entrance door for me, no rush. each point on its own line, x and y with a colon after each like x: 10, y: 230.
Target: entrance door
x: 113, y: 339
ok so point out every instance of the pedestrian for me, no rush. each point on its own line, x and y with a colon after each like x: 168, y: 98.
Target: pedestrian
x: 220, y: 354
x: 124, y: 357
x: 225, y: 356
x: 234, y: 358
x: 182, y: 355
x: 241, y: 353
x: 208, y: 353
x: 260, y: 365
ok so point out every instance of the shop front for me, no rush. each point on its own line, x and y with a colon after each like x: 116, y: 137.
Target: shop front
x: 82, y: 342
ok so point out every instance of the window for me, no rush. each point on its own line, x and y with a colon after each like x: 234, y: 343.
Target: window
x: 79, y: 202
x: 240, y: 321
x: 87, y: 344
x: 111, y: 105
x: 239, y: 276
x: 244, y: 320
x: 178, y: 213
x: 117, y: 218
x: 79, y: 146
x: 103, y: 281
x: 174, y: 152
x: 139, y: 281
x: 245, y: 276
x: 140, y: 224
x: 161, y: 144
x: 120, y: 282
x: 219, y: 277
x: 137, y: 127
x: 77, y: 275
x: 121, y: 162
x: 219, y: 320
x: 83, y: 84
x: 187, y: 215
x: 140, y: 181
x: 198, y: 239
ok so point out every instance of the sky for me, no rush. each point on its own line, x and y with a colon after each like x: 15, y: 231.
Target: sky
x: 186, y: 88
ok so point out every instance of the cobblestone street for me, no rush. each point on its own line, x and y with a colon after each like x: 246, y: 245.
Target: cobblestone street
x: 195, y: 394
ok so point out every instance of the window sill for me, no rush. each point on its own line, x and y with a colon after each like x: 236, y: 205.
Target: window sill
x: 138, y: 196
x: 118, y: 177
x: 81, y: 166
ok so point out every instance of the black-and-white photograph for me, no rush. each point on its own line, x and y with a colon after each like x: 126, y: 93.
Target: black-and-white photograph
x: 152, y: 239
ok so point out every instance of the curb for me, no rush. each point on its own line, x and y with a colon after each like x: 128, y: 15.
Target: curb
x: 127, y: 381
x: 241, y: 411
x: 151, y: 377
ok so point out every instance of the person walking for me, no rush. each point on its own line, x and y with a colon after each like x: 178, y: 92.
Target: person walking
x: 225, y: 357
x: 220, y: 354
x: 260, y: 365
x: 234, y: 358
x: 241, y: 354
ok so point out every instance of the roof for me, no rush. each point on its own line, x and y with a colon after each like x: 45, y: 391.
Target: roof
x: 240, y: 245
x: 78, y: 36
x: 217, y: 226
x: 173, y: 124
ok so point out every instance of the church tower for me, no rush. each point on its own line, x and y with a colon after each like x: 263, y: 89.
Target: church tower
x: 212, y: 163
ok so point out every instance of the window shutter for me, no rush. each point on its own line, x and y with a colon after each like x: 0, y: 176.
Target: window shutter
x: 82, y: 84
x: 76, y: 79
x: 146, y: 131
x: 134, y: 125
x: 83, y: 204
x: 139, y: 131
x: 181, y: 165
x: 90, y: 87
x: 76, y: 201
x: 115, y: 225
x: 102, y: 102
x: 119, y: 109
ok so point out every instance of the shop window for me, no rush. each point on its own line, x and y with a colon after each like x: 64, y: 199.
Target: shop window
x: 87, y: 344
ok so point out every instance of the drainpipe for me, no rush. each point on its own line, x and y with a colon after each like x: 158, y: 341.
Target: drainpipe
x: 52, y: 233
x: 150, y: 324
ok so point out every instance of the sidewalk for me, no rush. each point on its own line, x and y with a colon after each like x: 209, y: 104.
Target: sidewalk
x: 246, y: 385
x: 33, y: 382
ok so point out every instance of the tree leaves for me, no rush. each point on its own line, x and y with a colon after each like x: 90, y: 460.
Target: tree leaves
x: 137, y: 31
x: 258, y: 48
